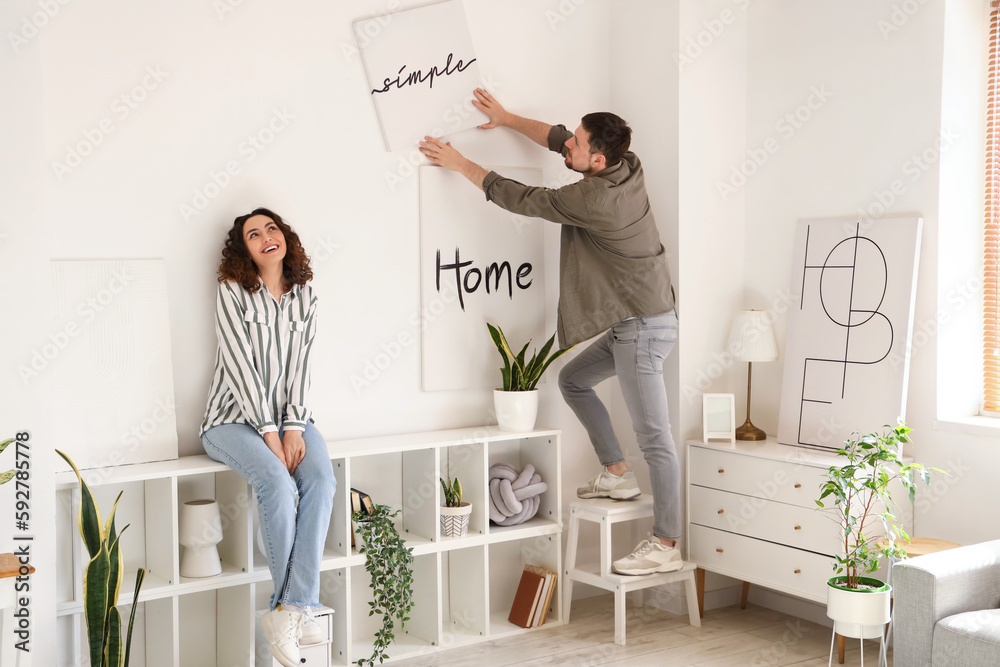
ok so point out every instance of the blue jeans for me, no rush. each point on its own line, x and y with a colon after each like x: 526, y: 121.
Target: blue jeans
x: 633, y: 350
x: 294, y: 535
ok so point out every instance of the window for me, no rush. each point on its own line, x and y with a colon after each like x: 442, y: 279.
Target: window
x: 991, y: 236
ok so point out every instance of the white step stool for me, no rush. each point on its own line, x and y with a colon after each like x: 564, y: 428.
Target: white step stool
x: 606, y: 512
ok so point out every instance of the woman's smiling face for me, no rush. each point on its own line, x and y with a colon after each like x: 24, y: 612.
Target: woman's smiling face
x: 264, y: 241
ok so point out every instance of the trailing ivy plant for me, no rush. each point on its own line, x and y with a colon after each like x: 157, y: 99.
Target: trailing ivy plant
x: 102, y: 579
x: 389, y: 563
x: 860, y: 496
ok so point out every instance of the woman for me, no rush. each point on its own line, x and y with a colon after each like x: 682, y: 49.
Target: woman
x: 258, y: 421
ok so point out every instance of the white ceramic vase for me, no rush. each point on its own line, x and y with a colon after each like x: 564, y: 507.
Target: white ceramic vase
x: 200, y: 531
x: 860, y: 614
x: 516, y: 410
x: 455, y: 520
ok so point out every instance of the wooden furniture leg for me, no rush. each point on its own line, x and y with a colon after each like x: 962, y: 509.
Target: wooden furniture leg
x: 700, y: 584
x: 745, y: 595
x: 841, y: 647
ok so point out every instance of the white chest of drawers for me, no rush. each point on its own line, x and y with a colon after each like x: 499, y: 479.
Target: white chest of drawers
x: 752, y: 515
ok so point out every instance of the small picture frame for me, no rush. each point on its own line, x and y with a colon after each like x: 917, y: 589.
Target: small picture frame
x: 719, y: 417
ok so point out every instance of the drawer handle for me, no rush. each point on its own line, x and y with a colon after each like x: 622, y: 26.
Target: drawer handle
x: 719, y: 550
x: 798, y: 571
x: 798, y: 486
x: 798, y: 527
x: 722, y: 470
x: 722, y: 511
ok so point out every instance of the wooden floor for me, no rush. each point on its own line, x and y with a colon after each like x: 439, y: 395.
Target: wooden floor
x: 730, y: 637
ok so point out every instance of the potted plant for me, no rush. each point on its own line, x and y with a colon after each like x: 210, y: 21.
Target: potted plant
x: 516, y: 402
x: 389, y: 563
x: 860, y: 496
x: 102, y: 580
x: 454, y: 512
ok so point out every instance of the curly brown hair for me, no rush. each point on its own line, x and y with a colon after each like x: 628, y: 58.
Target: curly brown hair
x: 238, y: 266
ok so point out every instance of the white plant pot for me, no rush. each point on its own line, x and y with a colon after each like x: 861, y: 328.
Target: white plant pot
x: 455, y: 520
x: 516, y: 410
x: 858, y: 614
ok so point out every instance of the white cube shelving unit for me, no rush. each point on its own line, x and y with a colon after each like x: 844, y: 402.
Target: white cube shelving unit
x: 463, y: 587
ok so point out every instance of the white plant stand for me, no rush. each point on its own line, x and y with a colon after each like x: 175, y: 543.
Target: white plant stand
x: 605, y: 513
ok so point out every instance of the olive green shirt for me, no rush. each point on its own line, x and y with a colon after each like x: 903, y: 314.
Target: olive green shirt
x: 612, y: 265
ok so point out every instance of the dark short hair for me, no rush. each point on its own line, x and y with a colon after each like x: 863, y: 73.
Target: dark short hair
x: 609, y: 135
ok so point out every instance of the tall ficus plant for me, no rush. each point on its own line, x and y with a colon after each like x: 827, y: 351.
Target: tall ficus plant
x: 518, y: 375
x: 861, y: 499
x: 102, y: 579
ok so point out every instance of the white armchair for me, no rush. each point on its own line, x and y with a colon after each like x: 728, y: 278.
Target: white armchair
x: 947, y: 608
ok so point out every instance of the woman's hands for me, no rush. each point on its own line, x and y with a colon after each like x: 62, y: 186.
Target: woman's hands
x: 273, y: 443
x: 295, y: 449
x: 290, y: 449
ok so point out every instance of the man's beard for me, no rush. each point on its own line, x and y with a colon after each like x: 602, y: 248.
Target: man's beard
x: 569, y: 165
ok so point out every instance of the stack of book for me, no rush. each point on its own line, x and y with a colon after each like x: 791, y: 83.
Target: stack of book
x: 533, y: 597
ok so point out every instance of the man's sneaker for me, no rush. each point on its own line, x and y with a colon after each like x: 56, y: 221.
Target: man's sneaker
x: 313, y: 632
x: 606, y: 485
x: 650, y: 557
x: 283, y: 629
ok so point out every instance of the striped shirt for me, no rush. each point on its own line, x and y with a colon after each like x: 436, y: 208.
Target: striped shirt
x: 261, y: 373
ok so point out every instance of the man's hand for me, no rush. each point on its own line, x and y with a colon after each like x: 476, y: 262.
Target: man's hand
x: 295, y: 449
x: 486, y: 103
x: 443, y: 154
x: 273, y: 443
x: 535, y: 130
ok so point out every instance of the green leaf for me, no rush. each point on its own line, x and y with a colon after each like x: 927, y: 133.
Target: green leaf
x: 90, y: 517
x: 5, y: 444
x: 95, y: 601
x: 139, y: 576
x: 7, y: 476
x: 113, y: 651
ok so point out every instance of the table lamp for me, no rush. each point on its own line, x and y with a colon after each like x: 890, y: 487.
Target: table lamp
x: 752, y: 339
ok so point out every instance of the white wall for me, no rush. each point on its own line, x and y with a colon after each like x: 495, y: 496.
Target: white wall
x: 711, y: 65
x: 287, y: 71
x: 883, y: 70
x: 886, y: 108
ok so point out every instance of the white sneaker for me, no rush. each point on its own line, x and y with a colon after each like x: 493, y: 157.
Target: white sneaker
x: 649, y: 557
x: 606, y: 485
x: 313, y: 632
x: 283, y: 629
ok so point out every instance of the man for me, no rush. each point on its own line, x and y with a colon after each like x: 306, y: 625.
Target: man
x: 613, y: 281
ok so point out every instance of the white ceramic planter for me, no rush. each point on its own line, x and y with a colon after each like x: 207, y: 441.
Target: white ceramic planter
x: 859, y: 614
x: 455, y: 520
x: 516, y: 410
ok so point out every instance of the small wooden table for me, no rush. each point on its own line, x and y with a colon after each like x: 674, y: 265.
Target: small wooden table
x: 10, y: 567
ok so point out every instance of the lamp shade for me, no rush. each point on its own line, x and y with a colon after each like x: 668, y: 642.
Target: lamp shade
x: 752, y: 337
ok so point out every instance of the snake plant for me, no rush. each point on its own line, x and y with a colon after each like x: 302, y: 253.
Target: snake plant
x: 452, y: 492
x: 102, y: 580
x: 518, y: 375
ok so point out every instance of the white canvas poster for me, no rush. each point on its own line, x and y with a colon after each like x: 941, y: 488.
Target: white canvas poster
x: 421, y: 70
x: 114, y: 390
x: 846, y: 355
x: 478, y: 264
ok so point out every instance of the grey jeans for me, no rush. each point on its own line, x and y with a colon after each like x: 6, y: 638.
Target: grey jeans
x: 633, y: 350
